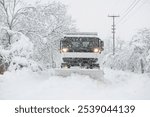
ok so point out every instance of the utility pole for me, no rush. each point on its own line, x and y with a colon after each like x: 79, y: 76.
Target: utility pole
x: 113, y: 30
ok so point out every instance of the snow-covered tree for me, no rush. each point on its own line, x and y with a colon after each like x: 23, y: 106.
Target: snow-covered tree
x: 31, y: 34
x: 11, y: 11
x: 134, y: 56
x: 45, y: 26
x: 141, y: 45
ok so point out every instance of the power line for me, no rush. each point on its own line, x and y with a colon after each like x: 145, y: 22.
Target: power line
x: 113, y: 31
x: 143, y: 3
x: 124, y: 12
x: 130, y: 8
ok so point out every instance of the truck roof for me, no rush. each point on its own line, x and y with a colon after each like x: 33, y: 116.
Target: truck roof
x: 81, y: 34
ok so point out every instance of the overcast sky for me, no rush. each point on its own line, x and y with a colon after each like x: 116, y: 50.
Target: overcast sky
x: 91, y: 16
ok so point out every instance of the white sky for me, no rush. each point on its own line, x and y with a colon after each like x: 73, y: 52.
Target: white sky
x: 91, y: 16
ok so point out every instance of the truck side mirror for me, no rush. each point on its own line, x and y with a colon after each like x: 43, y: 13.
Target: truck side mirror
x: 102, y: 45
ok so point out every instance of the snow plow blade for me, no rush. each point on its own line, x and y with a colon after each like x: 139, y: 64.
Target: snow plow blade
x: 93, y: 73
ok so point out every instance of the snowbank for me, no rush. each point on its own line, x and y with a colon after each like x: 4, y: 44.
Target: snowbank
x: 26, y: 84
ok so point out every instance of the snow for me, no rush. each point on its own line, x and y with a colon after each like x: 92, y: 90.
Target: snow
x: 93, y: 73
x: 3, y: 52
x: 22, y: 46
x: 93, y: 36
x: 82, y: 34
x: 25, y: 84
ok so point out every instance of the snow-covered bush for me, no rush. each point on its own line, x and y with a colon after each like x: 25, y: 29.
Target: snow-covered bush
x: 134, y: 57
x: 18, y: 63
x: 22, y: 46
x: 21, y: 53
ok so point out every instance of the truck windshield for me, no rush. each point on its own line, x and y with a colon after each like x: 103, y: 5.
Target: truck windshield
x: 80, y: 44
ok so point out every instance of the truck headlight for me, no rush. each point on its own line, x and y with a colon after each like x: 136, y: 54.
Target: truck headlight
x: 96, y: 50
x: 64, y: 49
x: 65, y: 66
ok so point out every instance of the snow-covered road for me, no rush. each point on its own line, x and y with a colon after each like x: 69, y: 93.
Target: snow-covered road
x: 116, y: 85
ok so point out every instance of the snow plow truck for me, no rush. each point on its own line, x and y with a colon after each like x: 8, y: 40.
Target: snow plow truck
x: 80, y: 53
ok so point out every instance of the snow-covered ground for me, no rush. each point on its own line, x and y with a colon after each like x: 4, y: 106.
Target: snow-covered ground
x: 43, y: 85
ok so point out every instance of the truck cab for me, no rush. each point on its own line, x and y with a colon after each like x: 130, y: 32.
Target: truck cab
x: 81, y: 50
